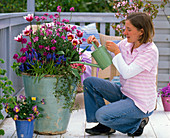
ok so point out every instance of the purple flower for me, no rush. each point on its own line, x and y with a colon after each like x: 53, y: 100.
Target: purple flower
x: 22, y: 97
x: 16, y: 108
x: 29, y: 119
x: 32, y: 116
x: 165, y: 91
x: 15, y: 117
x: 34, y: 108
x: 21, y: 67
x: 42, y: 101
x: 37, y: 112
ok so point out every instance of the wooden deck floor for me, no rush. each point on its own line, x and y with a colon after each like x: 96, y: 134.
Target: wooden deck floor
x: 158, y: 127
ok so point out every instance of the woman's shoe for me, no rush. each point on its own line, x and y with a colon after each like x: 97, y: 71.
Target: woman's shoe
x: 141, y: 127
x: 100, y: 130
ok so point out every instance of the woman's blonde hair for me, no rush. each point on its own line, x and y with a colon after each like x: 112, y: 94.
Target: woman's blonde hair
x: 143, y: 21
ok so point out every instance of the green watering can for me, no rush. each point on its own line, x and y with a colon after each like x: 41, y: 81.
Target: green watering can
x: 102, y: 57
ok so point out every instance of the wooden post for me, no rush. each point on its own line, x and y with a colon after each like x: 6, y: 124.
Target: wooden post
x: 31, y: 6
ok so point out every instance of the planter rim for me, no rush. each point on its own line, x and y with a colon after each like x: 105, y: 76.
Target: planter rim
x: 27, y: 74
x: 24, y: 120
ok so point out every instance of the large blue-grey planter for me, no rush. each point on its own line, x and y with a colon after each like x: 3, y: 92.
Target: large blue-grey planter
x: 55, y: 117
x: 24, y: 128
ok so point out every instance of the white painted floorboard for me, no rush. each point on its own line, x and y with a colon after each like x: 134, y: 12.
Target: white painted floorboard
x: 158, y: 127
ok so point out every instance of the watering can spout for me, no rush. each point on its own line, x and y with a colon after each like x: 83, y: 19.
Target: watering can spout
x: 102, y: 57
x: 85, y: 63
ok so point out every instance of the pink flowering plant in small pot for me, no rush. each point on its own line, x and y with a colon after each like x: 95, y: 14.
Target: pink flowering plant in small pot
x: 165, y: 97
x: 165, y: 91
x: 25, y: 108
x: 49, y: 49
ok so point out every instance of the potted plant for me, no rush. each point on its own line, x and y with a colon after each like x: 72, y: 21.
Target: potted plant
x: 24, y: 112
x: 165, y: 96
x: 45, y: 63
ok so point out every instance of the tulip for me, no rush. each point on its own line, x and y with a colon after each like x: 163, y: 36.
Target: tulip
x: 70, y: 37
x: 18, y: 38
x: 29, y: 17
x: 75, y: 42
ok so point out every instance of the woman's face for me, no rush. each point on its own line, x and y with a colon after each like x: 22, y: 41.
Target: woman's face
x: 132, y: 33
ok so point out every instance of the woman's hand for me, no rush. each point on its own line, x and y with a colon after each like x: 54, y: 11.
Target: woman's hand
x: 111, y: 46
x: 92, y: 38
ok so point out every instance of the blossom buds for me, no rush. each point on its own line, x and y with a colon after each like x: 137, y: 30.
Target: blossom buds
x: 58, y: 8
x: 72, y: 9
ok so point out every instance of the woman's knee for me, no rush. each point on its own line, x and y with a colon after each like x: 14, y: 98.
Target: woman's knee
x: 100, y: 115
x: 88, y: 80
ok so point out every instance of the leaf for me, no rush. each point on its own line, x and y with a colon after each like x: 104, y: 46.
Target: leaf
x: 72, y: 54
x: 2, y: 61
x: 60, y: 53
x: 42, y: 76
x: 2, y: 132
x: 84, y: 49
x: 76, y: 73
x: 67, y: 50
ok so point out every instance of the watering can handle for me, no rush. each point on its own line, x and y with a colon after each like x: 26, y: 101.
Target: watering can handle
x: 94, y: 45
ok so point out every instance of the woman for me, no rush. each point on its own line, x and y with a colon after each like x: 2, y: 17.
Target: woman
x: 136, y: 59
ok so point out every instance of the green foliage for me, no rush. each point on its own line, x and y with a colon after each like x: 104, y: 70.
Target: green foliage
x: 7, y: 90
x: 13, y: 6
x: 79, y: 5
x: 51, y: 5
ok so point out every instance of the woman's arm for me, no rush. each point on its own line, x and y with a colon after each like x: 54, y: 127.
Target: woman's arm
x: 127, y: 71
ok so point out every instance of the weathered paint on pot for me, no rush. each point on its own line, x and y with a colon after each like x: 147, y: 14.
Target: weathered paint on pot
x: 55, y: 117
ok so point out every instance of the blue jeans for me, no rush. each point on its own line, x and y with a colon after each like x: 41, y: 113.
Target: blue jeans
x: 121, y: 114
